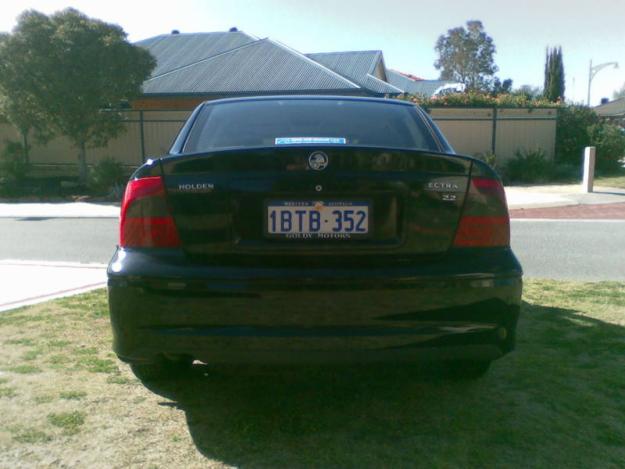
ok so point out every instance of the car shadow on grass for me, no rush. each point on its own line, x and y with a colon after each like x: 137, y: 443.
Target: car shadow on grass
x: 557, y: 400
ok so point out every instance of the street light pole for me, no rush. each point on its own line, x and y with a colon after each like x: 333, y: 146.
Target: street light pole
x: 592, y: 71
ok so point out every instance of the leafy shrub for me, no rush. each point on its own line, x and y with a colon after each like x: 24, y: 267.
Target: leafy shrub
x: 565, y: 172
x: 108, y: 177
x: 487, y: 157
x: 572, y: 133
x: 13, y: 167
x: 529, y: 166
x: 610, y: 142
x: 478, y: 99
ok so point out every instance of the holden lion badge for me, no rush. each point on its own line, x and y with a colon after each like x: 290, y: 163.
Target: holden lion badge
x: 318, y: 161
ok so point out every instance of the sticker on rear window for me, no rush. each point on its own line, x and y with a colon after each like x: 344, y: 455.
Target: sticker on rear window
x: 309, y: 140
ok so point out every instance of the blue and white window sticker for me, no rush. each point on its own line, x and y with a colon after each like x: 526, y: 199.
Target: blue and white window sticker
x: 309, y: 140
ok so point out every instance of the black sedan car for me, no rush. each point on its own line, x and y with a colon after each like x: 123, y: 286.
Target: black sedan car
x: 302, y: 228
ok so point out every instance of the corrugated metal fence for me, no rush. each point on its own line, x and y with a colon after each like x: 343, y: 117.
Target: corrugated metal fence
x: 470, y: 131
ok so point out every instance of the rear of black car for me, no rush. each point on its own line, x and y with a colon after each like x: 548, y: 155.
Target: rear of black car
x: 323, y: 229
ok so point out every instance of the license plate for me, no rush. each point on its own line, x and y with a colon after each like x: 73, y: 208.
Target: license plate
x: 317, y: 219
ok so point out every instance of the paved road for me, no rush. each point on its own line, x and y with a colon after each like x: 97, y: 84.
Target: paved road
x: 576, y: 250
x: 58, y: 239
x: 551, y: 249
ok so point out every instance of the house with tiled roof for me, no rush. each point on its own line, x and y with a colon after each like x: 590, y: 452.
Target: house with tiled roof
x: 201, y: 66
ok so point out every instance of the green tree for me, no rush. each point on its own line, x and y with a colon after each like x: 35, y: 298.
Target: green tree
x: 619, y: 93
x: 466, y: 55
x: 531, y: 92
x: 76, y: 71
x: 554, y: 75
x: 17, y: 106
x: 498, y: 87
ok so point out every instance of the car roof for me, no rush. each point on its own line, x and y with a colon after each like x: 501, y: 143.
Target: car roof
x: 315, y: 97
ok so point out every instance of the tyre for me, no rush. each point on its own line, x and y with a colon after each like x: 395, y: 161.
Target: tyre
x: 162, y: 368
x: 467, y: 370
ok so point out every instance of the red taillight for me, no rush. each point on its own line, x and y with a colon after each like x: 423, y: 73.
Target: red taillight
x: 145, y: 220
x: 483, y: 232
x: 485, y: 221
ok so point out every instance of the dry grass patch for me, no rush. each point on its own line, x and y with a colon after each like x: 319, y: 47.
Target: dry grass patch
x: 558, y: 401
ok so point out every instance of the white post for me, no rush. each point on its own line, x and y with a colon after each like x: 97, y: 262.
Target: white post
x: 589, y: 169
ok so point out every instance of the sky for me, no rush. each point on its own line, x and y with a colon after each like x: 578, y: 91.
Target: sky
x: 405, y: 31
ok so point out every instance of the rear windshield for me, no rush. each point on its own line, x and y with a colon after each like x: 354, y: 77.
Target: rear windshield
x: 301, y: 121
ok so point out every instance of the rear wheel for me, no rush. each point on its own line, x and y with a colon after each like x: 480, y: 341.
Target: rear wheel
x: 468, y: 369
x: 162, y: 368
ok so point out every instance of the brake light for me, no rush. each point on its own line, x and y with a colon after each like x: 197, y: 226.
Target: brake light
x: 485, y: 221
x: 145, y: 219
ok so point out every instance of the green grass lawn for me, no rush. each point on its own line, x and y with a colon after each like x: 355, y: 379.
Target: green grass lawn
x: 612, y: 180
x: 557, y: 401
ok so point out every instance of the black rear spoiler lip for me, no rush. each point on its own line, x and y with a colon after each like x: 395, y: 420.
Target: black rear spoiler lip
x: 312, y: 147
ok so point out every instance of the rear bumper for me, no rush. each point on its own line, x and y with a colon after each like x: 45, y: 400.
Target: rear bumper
x: 465, y: 306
